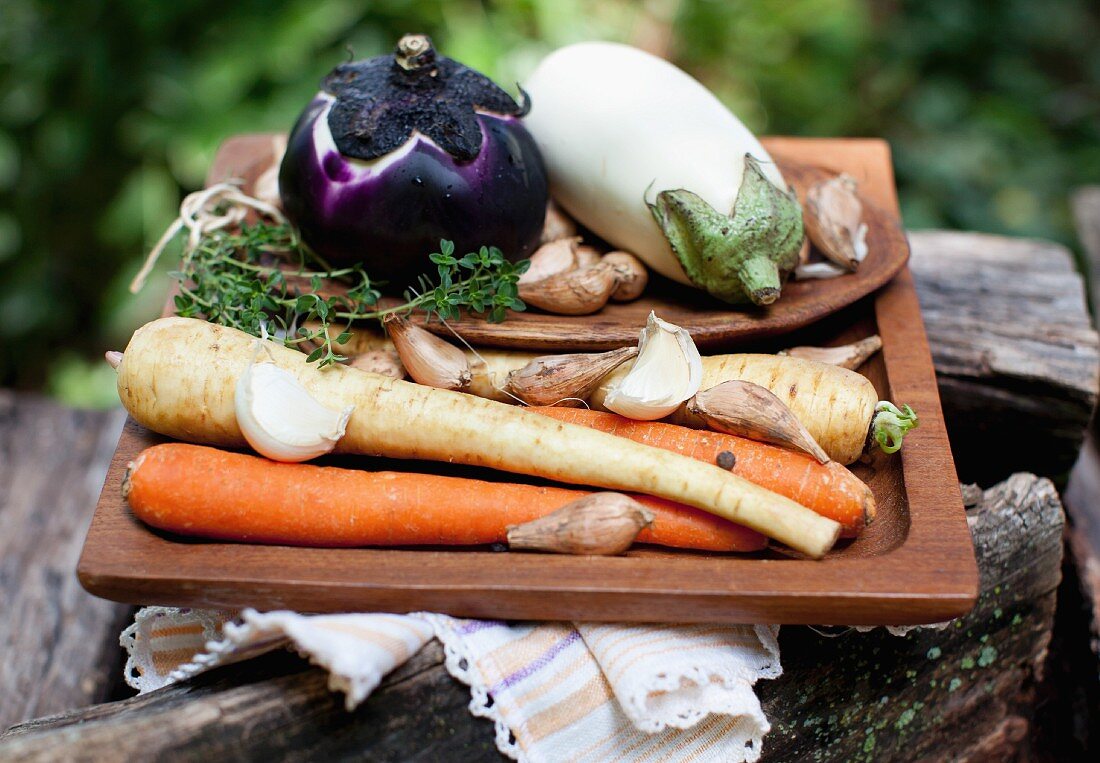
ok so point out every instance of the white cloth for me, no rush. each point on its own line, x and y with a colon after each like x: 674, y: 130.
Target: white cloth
x: 555, y: 691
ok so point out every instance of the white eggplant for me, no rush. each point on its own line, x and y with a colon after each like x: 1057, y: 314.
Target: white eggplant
x: 650, y: 160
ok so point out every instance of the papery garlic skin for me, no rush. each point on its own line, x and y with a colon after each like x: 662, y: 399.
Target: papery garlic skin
x: 428, y: 359
x: 667, y: 371
x: 281, y: 420
x: 859, y: 243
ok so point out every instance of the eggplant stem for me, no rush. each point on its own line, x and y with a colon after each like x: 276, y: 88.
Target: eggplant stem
x: 760, y: 279
x: 414, y: 52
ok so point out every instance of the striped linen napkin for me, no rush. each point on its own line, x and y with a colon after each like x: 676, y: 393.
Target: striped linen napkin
x: 555, y: 691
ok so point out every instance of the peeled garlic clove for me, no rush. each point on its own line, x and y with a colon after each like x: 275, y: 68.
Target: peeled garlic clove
x: 602, y: 523
x: 280, y: 419
x: 553, y: 379
x: 833, y: 217
x: 578, y: 292
x: 748, y: 410
x: 667, y: 371
x: 557, y: 225
x: 850, y: 356
x: 428, y: 359
x: 633, y: 275
x: 550, y: 259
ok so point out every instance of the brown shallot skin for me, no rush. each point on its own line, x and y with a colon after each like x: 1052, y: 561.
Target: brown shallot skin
x: 565, y: 379
x: 577, y: 292
x: 602, y: 524
x: 557, y: 224
x: 834, y: 221
x: 551, y: 259
x: 749, y: 410
x: 428, y: 359
x: 633, y: 276
x: 850, y: 356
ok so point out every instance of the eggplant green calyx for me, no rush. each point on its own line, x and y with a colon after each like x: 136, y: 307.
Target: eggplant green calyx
x: 382, y: 101
x: 890, y: 425
x: 742, y: 257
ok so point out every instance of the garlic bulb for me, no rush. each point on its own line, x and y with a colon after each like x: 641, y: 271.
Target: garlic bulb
x: 280, y: 419
x: 667, y: 371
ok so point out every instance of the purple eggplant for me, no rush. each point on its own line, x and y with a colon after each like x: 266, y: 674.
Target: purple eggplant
x: 398, y: 152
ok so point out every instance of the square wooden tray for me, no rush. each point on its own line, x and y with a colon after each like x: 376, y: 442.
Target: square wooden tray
x: 915, y: 564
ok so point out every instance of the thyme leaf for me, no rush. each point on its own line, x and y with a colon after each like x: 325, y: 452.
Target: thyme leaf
x: 262, y: 279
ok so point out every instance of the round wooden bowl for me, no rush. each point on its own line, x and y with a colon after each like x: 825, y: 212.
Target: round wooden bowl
x: 712, y: 323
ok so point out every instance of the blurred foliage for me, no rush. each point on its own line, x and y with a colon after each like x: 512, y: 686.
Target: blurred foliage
x: 110, y: 111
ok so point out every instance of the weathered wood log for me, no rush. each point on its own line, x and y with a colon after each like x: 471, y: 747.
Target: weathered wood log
x: 54, y: 653
x: 960, y: 693
x: 277, y: 707
x: 1015, y: 353
x: 1083, y: 490
x: 1083, y: 536
x: 1086, y: 216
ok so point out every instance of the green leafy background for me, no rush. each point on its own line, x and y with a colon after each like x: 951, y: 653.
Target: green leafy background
x: 110, y: 111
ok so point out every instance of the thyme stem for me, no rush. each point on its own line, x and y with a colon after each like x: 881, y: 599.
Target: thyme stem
x: 227, y: 277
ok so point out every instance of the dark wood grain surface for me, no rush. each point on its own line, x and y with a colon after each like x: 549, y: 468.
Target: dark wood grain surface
x: 53, y: 654
x: 915, y: 564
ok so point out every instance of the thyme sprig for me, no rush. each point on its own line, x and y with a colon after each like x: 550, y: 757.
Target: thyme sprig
x: 261, y: 279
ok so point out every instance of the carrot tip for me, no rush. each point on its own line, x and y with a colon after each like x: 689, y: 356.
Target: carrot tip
x: 127, y: 486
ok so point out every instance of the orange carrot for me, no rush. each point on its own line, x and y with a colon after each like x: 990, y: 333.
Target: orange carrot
x: 829, y: 489
x: 211, y: 493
